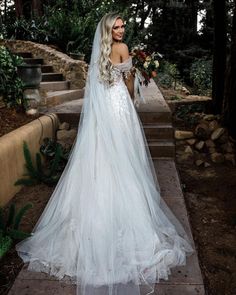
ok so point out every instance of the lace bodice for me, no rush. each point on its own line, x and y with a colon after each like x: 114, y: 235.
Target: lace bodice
x: 121, y: 69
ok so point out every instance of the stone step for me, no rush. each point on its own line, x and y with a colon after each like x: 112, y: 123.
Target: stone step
x: 53, y: 98
x: 46, y: 69
x: 152, y: 132
x: 52, y: 77
x: 150, y: 118
x: 55, y: 85
x: 155, y: 110
x: 146, y: 118
x: 31, y: 60
x: 158, y: 131
x: 162, y: 149
x: 23, y: 54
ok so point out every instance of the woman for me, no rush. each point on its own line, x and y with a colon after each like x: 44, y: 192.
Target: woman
x: 105, y: 227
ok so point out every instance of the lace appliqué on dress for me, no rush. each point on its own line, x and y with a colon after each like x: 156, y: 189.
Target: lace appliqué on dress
x: 118, y: 97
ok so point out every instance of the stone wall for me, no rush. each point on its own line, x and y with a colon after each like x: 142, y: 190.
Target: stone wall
x: 73, y: 70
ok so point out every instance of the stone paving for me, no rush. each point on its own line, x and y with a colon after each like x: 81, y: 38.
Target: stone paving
x: 184, y: 280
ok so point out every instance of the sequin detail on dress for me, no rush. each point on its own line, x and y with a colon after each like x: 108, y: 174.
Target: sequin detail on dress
x: 119, y: 95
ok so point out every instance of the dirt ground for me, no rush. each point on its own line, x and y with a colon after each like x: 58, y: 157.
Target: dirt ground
x: 210, y: 196
x: 11, y: 263
x: 10, y: 120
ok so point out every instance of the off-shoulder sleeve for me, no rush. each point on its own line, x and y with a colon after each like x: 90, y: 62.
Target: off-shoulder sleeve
x: 126, y: 65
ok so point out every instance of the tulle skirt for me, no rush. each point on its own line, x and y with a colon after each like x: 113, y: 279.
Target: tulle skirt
x: 106, y: 228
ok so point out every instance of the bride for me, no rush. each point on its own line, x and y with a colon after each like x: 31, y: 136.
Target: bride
x: 106, y: 227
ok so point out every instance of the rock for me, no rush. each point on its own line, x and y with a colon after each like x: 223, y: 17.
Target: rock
x: 209, y: 143
x: 64, y: 126
x: 186, y: 157
x: 209, y: 117
x: 212, y: 150
x: 223, y: 139
x: 191, y: 141
x: 185, y: 90
x: 199, y: 145
x: 199, y: 162
x: 188, y: 149
x: 217, y: 133
x: 180, y: 142
x: 230, y: 157
x: 213, y: 125
x: 66, y: 136
x: 227, y: 147
x: 217, y: 157
x: 231, y: 139
x: 202, y: 131
x: 32, y: 112
x: 181, y: 134
x: 206, y: 164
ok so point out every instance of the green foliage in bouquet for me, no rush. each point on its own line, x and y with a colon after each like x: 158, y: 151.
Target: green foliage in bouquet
x: 11, y: 86
x: 9, y: 228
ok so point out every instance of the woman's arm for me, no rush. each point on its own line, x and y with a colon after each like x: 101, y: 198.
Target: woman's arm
x: 129, y: 82
x: 129, y: 77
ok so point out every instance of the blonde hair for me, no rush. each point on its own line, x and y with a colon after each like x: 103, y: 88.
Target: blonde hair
x: 105, y: 65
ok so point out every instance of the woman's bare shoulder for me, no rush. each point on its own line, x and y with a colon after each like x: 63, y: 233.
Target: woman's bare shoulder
x: 121, y: 47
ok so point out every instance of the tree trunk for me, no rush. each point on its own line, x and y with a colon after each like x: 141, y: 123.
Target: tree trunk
x: 219, y: 55
x: 19, y: 8
x: 190, y: 20
x: 37, y: 7
x: 229, y: 109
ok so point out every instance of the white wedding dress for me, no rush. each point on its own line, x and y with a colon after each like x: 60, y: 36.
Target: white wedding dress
x: 106, y: 227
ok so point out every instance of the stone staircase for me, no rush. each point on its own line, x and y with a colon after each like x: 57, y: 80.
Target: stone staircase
x: 67, y: 103
x: 157, y: 123
x: 54, y: 88
x: 155, y: 116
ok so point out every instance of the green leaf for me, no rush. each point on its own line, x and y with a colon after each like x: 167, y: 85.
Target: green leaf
x: 26, y: 181
x: 20, y: 214
x: 17, y: 234
x: 5, y: 245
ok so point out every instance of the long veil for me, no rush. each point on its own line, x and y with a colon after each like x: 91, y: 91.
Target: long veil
x: 87, y: 230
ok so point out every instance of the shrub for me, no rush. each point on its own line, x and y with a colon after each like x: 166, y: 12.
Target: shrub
x: 168, y: 74
x: 9, y: 228
x: 201, y: 76
x: 11, y: 86
x: 39, y: 174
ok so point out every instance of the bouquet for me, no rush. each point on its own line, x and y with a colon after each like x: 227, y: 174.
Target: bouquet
x: 145, y: 63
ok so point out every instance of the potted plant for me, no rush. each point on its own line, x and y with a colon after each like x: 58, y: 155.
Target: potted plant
x: 74, y: 52
x: 30, y: 74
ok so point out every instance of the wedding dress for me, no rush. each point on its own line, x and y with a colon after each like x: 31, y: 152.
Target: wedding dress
x: 106, y: 227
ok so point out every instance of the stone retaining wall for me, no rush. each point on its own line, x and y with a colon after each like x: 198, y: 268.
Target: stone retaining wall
x: 12, y: 161
x: 73, y: 70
